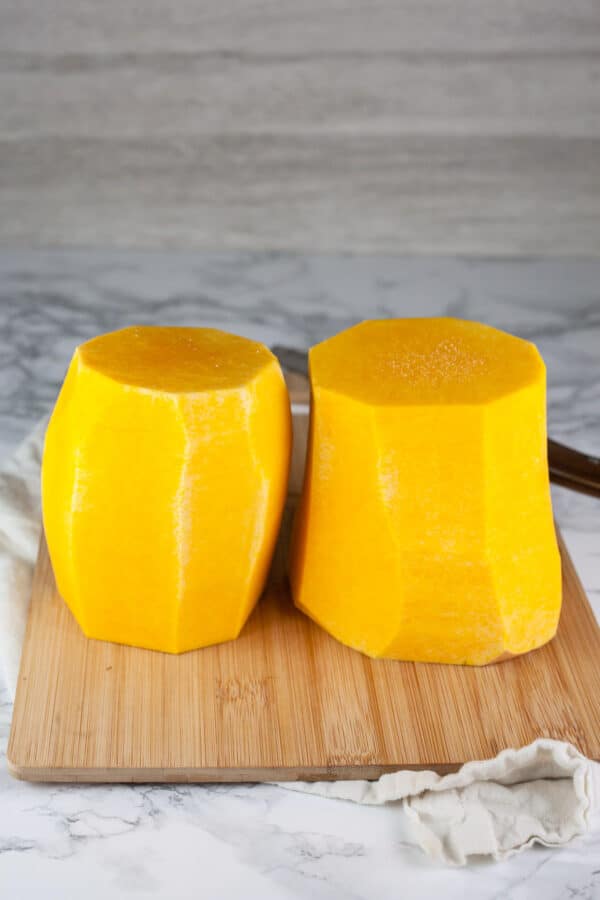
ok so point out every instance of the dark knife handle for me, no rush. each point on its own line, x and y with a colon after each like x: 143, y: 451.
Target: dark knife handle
x: 574, y: 470
x: 569, y: 468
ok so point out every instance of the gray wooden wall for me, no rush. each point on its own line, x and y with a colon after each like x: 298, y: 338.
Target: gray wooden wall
x: 400, y: 126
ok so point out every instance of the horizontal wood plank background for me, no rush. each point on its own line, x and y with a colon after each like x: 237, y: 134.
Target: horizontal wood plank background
x: 437, y: 127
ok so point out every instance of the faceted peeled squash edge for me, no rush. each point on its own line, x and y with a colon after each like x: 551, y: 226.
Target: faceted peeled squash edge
x: 424, y: 530
x: 163, y: 483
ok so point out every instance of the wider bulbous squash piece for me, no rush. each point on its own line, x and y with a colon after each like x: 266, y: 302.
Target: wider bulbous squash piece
x: 163, y: 482
x: 425, y: 527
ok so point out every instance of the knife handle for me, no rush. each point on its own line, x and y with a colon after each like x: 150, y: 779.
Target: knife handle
x: 574, y: 470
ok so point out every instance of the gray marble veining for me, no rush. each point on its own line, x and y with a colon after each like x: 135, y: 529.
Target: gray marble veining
x: 225, y: 842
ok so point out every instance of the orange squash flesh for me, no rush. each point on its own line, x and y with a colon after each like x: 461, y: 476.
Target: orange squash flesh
x: 163, y: 482
x: 425, y: 528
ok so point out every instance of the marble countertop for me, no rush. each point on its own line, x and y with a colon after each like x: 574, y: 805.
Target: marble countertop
x: 177, y: 842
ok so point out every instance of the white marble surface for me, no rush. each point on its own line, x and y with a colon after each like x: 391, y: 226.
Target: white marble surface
x: 260, y: 841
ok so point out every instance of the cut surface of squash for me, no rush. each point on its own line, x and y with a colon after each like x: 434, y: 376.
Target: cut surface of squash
x: 424, y: 530
x: 163, y: 483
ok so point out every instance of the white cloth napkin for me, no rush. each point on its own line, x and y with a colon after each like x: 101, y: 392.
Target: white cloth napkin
x: 20, y: 522
x: 546, y: 792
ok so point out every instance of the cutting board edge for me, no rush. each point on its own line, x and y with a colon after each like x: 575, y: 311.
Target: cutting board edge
x: 193, y: 775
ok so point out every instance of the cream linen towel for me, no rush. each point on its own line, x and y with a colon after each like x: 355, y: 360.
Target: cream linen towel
x: 546, y: 792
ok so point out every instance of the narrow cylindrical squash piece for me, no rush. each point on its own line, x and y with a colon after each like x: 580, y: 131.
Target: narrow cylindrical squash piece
x: 163, y: 483
x: 425, y: 530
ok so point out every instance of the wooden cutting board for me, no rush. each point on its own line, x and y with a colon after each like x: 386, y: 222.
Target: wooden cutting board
x: 285, y: 701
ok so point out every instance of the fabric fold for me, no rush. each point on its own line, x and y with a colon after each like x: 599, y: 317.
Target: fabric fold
x: 541, y: 793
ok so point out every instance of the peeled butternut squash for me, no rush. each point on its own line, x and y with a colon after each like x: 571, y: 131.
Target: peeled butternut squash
x: 424, y: 530
x: 163, y: 482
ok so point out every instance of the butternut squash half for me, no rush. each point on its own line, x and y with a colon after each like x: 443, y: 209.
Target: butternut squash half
x: 163, y: 483
x: 425, y: 527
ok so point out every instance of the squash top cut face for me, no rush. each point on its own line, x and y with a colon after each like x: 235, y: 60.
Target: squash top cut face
x: 424, y: 361
x: 175, y: 360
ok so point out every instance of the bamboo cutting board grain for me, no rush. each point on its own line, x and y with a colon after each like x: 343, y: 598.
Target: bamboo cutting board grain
x: 285, y: 701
